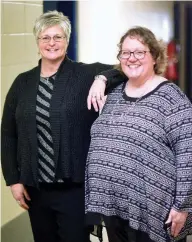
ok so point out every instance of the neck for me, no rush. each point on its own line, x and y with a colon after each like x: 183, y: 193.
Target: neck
x: 140, y: 88
x: 48, y: 67
x: 141, y: 82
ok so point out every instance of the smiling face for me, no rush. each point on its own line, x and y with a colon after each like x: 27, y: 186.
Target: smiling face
x: 137, y: 69
x: 52, y: 50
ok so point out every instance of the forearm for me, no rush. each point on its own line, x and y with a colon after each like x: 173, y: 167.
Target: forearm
x: 183, y: 194
x: 112, y: 78
x: 9, y: 160
x: 104, y: 82
x: 9, y: 146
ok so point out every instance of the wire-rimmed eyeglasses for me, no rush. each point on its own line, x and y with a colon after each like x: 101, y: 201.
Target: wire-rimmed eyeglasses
x: 47, y: 38
x: 138, y: 54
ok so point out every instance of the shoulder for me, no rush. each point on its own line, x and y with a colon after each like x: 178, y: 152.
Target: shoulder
x: 27, y: 73
x: 23, y: 75
x: 179, y: 104
x: 117, y: 90
x: 88, y: 68
x: 21, y: 79
x: 93, y: 66
x: 174, y: 94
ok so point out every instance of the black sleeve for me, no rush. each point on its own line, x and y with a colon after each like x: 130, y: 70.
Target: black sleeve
x: 9, y: 136
x: 114, y: 78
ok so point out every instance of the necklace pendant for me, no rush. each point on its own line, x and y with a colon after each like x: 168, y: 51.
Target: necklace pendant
x: 132, y: 105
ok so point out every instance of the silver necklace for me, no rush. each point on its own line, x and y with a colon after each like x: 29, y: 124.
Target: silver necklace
x: 42, y: 74
x: 130, y: 106
x: 132, y: 103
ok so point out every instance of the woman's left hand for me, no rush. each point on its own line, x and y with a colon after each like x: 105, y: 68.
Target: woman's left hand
x: 177, y: 220
x: 96, y: 94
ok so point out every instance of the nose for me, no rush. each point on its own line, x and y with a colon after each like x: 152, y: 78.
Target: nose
x: 132, y: 57
x: 52, y: 42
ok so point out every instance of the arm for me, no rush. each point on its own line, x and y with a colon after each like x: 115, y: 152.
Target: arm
x: 9, y: 137
x: 112, y: 78
x: 9, y: 146
x: 179, y: 133
x: 102, y: 85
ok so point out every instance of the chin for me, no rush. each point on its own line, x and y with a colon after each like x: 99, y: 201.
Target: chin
x: 133, y: 77
x: 54, y: 58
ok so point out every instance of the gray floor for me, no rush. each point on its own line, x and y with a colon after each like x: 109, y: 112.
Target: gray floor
x: 189, y: 239
x: 93, y: 239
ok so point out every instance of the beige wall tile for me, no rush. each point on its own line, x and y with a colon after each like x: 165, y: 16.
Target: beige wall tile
x: 31, y: 50
x: 13, y: 49
x: 31, y: 13
x: 12, y: 1
x: 35, y: 2
x: 2, y: 19
x: 13, y: 17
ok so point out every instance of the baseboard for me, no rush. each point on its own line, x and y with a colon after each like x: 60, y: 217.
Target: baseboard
x: 17, y: 230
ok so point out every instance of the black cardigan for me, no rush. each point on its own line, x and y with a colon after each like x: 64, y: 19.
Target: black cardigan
x: 69, y: 117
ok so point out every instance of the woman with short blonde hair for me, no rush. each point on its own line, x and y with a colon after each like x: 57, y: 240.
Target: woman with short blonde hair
x: 46, y: 135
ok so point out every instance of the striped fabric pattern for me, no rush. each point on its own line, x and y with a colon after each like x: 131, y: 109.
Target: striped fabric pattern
x: 44, y: 135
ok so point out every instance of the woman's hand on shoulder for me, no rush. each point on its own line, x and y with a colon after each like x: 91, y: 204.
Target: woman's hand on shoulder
x: 19, y: 192
x: 177, y: 220
x: 96, y: 93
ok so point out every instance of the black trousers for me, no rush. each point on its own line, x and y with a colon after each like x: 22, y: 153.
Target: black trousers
x: 119, y: 231
x: 125, y: 234
x: 57, y: 213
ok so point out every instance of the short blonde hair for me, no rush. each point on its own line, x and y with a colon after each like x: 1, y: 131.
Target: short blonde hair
x: 157, y: 48
x: 52, y: 18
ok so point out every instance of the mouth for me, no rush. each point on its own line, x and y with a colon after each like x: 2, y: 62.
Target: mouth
x: 133, y: 66
x: 52, y: 50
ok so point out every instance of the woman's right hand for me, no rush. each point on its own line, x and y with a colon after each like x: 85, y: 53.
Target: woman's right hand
x: 19, y: 192
x: 177, y: 220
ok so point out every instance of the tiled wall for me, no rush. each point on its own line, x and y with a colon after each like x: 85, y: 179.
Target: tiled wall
x: 19, y: 51
x: 18, y: 54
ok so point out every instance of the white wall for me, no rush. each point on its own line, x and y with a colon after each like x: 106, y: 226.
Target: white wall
x: 102, y: 23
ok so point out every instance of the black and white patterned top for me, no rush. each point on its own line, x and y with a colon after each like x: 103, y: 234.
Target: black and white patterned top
x: 139, y: 163
x: 46, y: 165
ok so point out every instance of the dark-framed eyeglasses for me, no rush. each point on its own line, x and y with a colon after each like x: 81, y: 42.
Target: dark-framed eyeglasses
x: 138, y: 54
x: 47, y: 38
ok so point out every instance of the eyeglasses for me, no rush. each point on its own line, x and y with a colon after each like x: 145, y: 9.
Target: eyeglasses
x: 138, y: 54
x: 47, y: 38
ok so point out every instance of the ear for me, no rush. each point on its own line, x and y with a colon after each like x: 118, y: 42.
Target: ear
x: 154, y: 62
x: 38, y: 51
